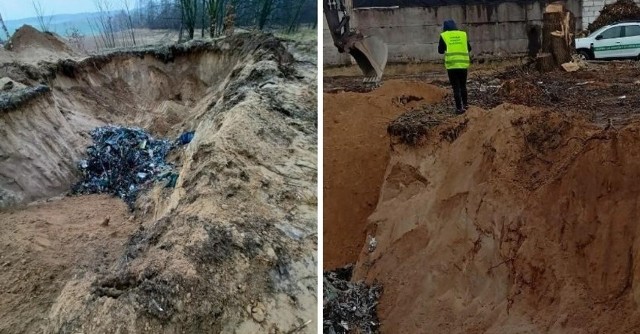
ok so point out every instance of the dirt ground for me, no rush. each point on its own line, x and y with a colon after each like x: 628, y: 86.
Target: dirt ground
x: 231, y: 249
x: 515, y: 217
x: 601, y: 91
x: 44, y: 245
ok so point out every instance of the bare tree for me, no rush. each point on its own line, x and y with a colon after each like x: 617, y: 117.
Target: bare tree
x: 129, y: 21
x: 76, y: 38
x: 189, y: 9
x: 105, y: 24
x: 213, y: 6
x: 265, y: 8
x: 204, y: 17
x: 43, y: 21
x: 295, y: 20
x: 4, y: 27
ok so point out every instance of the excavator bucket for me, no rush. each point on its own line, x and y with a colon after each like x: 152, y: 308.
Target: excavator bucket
x: 370, y: 54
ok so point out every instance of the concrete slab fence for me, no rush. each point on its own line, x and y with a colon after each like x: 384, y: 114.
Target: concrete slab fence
x: 411, y: 32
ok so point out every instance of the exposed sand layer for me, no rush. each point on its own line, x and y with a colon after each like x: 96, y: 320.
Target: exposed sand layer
x: 356, y: 152
x: 516, y: 220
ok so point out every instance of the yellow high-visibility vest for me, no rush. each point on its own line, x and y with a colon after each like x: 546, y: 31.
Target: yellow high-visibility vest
x: 457, y: 54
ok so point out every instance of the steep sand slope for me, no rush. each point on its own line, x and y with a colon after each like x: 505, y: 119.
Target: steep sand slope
x: 356, y: 152
x: 517, y: 221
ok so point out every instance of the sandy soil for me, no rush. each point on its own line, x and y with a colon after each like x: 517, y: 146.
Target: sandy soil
x: 514, y: 218
x: 523, y: 222
x: 46, y: 244
x: 356, y: 151
x: 231, y: 249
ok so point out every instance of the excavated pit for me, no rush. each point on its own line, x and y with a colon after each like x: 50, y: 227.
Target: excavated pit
x: 230, y: 249
x: 161, y: 90
x: 509, y: 219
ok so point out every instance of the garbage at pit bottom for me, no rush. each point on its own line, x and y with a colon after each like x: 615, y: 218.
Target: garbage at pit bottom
x: 121, y: 161
x: 185, y: 138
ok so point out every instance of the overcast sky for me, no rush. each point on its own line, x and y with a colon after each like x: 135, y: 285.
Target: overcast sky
x: 19, y: 9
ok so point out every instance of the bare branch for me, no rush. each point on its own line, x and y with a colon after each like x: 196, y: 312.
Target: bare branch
x: 43, y: 21
x: 4, y: 27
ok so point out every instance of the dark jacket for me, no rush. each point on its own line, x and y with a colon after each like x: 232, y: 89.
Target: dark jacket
x: 448, y: 26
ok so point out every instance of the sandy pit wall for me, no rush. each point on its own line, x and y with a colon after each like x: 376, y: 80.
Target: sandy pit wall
x: 356, y: 152
x: 509, y: 220
x: 45, y: 127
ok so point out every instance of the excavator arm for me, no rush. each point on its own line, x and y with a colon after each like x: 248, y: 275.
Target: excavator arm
x: 369, y: 52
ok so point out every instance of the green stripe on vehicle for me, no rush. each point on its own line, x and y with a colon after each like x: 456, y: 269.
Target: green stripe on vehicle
x: 617, y: 47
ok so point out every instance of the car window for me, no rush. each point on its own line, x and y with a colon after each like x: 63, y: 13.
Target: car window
x: 632, y: 30
x: 614, y: 32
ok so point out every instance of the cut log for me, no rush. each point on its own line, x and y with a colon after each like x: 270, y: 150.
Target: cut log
x: 558, y: 35
x: 545, y: 62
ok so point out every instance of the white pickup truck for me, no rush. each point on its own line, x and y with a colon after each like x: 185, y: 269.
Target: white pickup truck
x: 620, y: 40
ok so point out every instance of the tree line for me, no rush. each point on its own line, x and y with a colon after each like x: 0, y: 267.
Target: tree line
x: 208, y: 16
x: 113, y: 27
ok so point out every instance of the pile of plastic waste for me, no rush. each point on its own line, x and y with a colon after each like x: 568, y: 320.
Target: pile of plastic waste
x: 349, y: 307
x: 122, y: 161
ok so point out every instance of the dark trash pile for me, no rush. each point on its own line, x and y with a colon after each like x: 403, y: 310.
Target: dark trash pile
x: 410, y: 127
x: 349, y: 307
x: 122, y: 161
x: 620, y: 10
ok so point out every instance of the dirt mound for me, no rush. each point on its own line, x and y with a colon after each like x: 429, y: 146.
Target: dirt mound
x: 521, y: 92
x: 232, y: 247
x: 44, y: 246
x: 525, y: 222
x: 28, y: 38
x: 356, y: 149
x: 618, y: 11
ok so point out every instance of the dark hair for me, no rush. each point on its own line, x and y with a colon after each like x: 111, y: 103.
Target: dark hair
x: 449, y: 25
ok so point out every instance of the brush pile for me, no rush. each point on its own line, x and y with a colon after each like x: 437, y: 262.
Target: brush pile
x: 620, y: 10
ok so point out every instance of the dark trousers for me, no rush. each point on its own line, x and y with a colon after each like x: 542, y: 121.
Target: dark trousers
x: 458, y: 80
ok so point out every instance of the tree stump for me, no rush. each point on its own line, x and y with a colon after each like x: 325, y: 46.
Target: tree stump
x: 558, y: 40
x: 545, y: 62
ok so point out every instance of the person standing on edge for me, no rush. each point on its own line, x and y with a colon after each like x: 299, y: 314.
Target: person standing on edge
x: 455, y: 47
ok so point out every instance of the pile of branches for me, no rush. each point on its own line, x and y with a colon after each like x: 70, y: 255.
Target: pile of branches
x: 122, y: 161
x: 410, y: 127
x: 618, y: 11
x: 349, y: 306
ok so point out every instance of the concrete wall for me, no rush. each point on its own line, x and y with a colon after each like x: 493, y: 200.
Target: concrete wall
x: 591, y: 10
x: 412, y: 33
